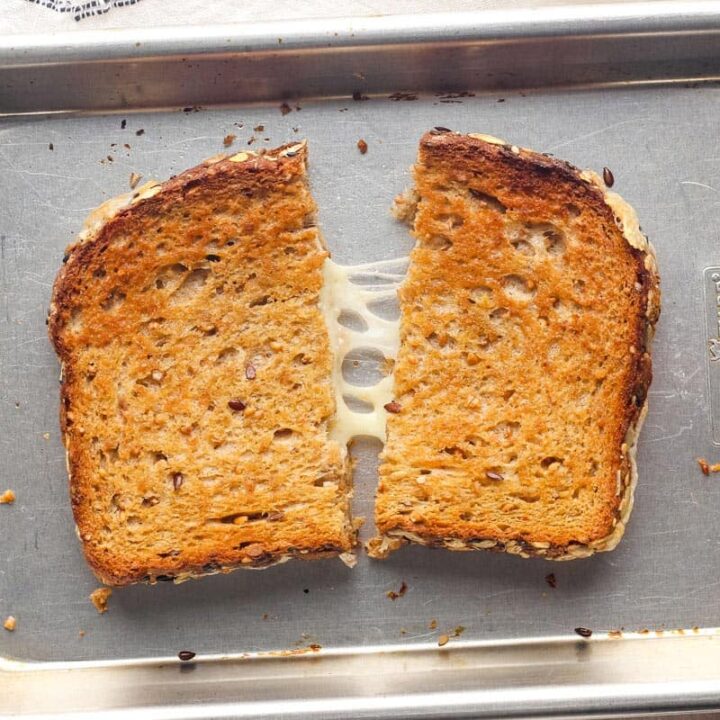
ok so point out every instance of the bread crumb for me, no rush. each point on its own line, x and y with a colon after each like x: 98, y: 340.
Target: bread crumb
x: 459, y: 630
x: 443, y: 640
x: 285, y: 109
x: 10, y: 623
x: 7, y: 498
x: 259, y: 128
x: 228, y: 140
x: 362, y: 146
x: 551, y: 580
x: 706, y: 467
x: 401, y: 591
x: 433, y: 624
x: 134, y: 180
x: 81, y: 633
x: 46, y: 436
x: 99, y: 599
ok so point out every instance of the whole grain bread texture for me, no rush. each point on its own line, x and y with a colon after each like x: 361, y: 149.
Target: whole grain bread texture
x: 196, y: 376
x: 524, y: 364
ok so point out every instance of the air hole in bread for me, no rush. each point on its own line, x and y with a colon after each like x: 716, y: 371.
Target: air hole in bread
x: 549, y: 461
x: 438, y: 242
x: 113, y: 301
x: 499, y: 313
x: 466, y: 516
x: 190, y: 286
x: 522, y: 246
x: 526, y: 496
x: 480, y: 295
x: 150, y: 501
x: 283, y: 435
x: 156, y: 456
x: 353, y: 321
x: 506, y: 430
x: 441, y: 341
x: 151, y: 380
x: 457, y: 451
x: 324, y: 482
x: 489, y: 201
x: 572, y: 210
x: 451, y: 220
x: 518, y: 288
x: 225, y: 355
x: 133, y: 521
x: 260, y: 301
x: 554, y: 241
x: 579, y: 285
x: 100, y: 273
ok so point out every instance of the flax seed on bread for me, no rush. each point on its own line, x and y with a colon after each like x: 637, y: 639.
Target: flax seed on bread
x: 196, y: 376
x: 524, y: 364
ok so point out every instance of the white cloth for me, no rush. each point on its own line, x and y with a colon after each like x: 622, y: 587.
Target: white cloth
x: 21, y: 16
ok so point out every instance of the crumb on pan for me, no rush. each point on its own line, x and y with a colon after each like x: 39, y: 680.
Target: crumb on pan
x: 7, y: 498
x: 362, y: 146
x: 708, y: 468
x: 228, y: 140
x: 401, y: 591
x: 81, y: 633
x: 134, y: 180
x: 186, y: 655
x: 583, y: 632
x: 285, y: 108
x: 433, y: 624
x: 99, y: 599
x: 551, y: 580
x: 10, y: 623
x: 443, y: 640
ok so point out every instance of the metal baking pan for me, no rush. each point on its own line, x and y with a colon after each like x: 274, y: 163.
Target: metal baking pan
x: 627, y: 86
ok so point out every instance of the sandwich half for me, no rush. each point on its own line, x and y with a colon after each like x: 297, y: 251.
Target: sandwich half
x: 524, y: 364
x: 196, y: 386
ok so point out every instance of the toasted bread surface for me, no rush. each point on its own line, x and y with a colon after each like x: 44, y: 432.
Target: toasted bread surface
x: 524, y: 362
x: 196, y: 377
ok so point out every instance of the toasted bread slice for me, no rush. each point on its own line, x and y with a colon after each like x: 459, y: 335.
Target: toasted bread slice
x: 196, y: 376
x: 523, y: 371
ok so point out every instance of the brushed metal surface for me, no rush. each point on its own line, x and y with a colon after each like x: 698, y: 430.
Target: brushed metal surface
x: 378, y: 655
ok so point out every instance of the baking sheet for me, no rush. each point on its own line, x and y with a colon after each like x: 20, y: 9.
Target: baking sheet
x: 317, y: 639
x: 661, y: 146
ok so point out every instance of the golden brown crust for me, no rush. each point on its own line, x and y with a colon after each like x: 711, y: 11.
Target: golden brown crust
x: 196, y: 383
x: 524, y: 364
